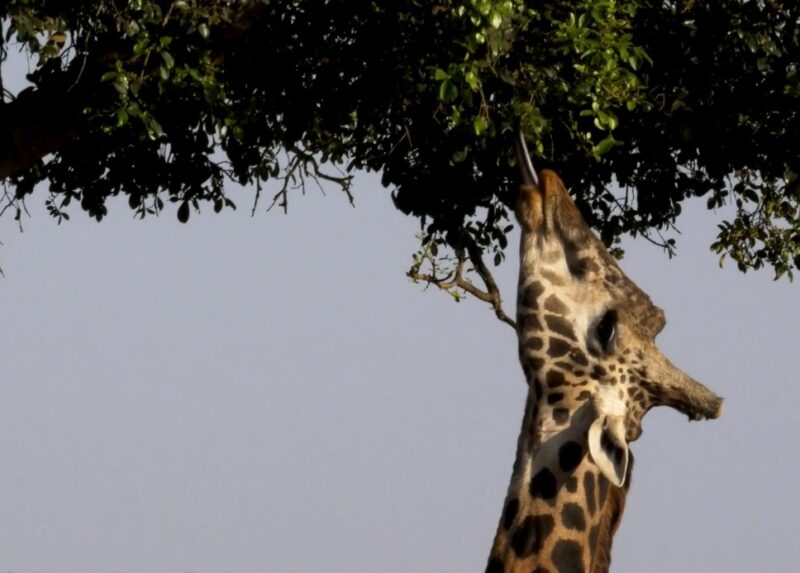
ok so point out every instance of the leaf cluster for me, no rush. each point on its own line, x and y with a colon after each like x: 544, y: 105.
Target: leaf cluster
x: 639, y: 105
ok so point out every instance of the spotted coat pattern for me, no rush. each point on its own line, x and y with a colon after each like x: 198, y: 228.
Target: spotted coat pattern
x: 586, y: 345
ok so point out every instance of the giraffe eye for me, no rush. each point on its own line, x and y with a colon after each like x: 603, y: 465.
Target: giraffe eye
x: 606, y: 330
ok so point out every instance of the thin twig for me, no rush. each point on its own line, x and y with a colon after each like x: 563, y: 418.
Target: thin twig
x: 493, y: 292
x: 456, y: 280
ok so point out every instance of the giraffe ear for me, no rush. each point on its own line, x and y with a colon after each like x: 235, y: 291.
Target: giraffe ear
x: 608, y: 447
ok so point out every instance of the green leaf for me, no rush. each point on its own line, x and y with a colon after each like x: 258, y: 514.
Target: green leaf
x: 472, y: 80
x: 479, y: 124
x: 507, y: 78
x: 183, y: 212
x: 604, y: 146
x: 448, y: 91
x: 169, y: 61
x: 121, y: 84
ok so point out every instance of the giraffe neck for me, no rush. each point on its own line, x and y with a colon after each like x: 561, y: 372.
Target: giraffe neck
x: 586, y: 338
x: 560, y: 512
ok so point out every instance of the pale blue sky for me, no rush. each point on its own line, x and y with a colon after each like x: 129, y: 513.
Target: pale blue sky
x: 271, y: 394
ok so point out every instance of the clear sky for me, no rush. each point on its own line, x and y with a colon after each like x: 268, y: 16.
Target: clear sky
x: 271, y: 394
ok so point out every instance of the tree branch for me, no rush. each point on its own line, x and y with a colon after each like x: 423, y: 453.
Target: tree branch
x: 492, y: 290
x: 36, y: 124
x: 456, y: 280
x: 42, y: 119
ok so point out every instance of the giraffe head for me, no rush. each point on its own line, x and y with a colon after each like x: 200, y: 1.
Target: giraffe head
x: 587, y: 333
x: 587, y: 346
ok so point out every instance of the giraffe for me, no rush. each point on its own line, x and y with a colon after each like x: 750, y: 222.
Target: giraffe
x: 586, y: 344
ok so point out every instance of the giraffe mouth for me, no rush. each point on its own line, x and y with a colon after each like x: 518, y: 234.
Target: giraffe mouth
x: 546, y: 207
x: 530, y: 207
x: 702, y: 404
x: 541, y: 206
x: 543, y: 202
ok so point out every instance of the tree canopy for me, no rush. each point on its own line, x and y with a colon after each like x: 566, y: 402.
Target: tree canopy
x: 639, y: 105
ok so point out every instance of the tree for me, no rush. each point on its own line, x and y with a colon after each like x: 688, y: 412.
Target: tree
x: 639, y: 105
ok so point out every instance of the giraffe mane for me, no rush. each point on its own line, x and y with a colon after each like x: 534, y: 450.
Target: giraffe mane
x: 610, y: 521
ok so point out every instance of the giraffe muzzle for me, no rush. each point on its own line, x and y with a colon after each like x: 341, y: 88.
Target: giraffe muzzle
x: 674, y: 388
